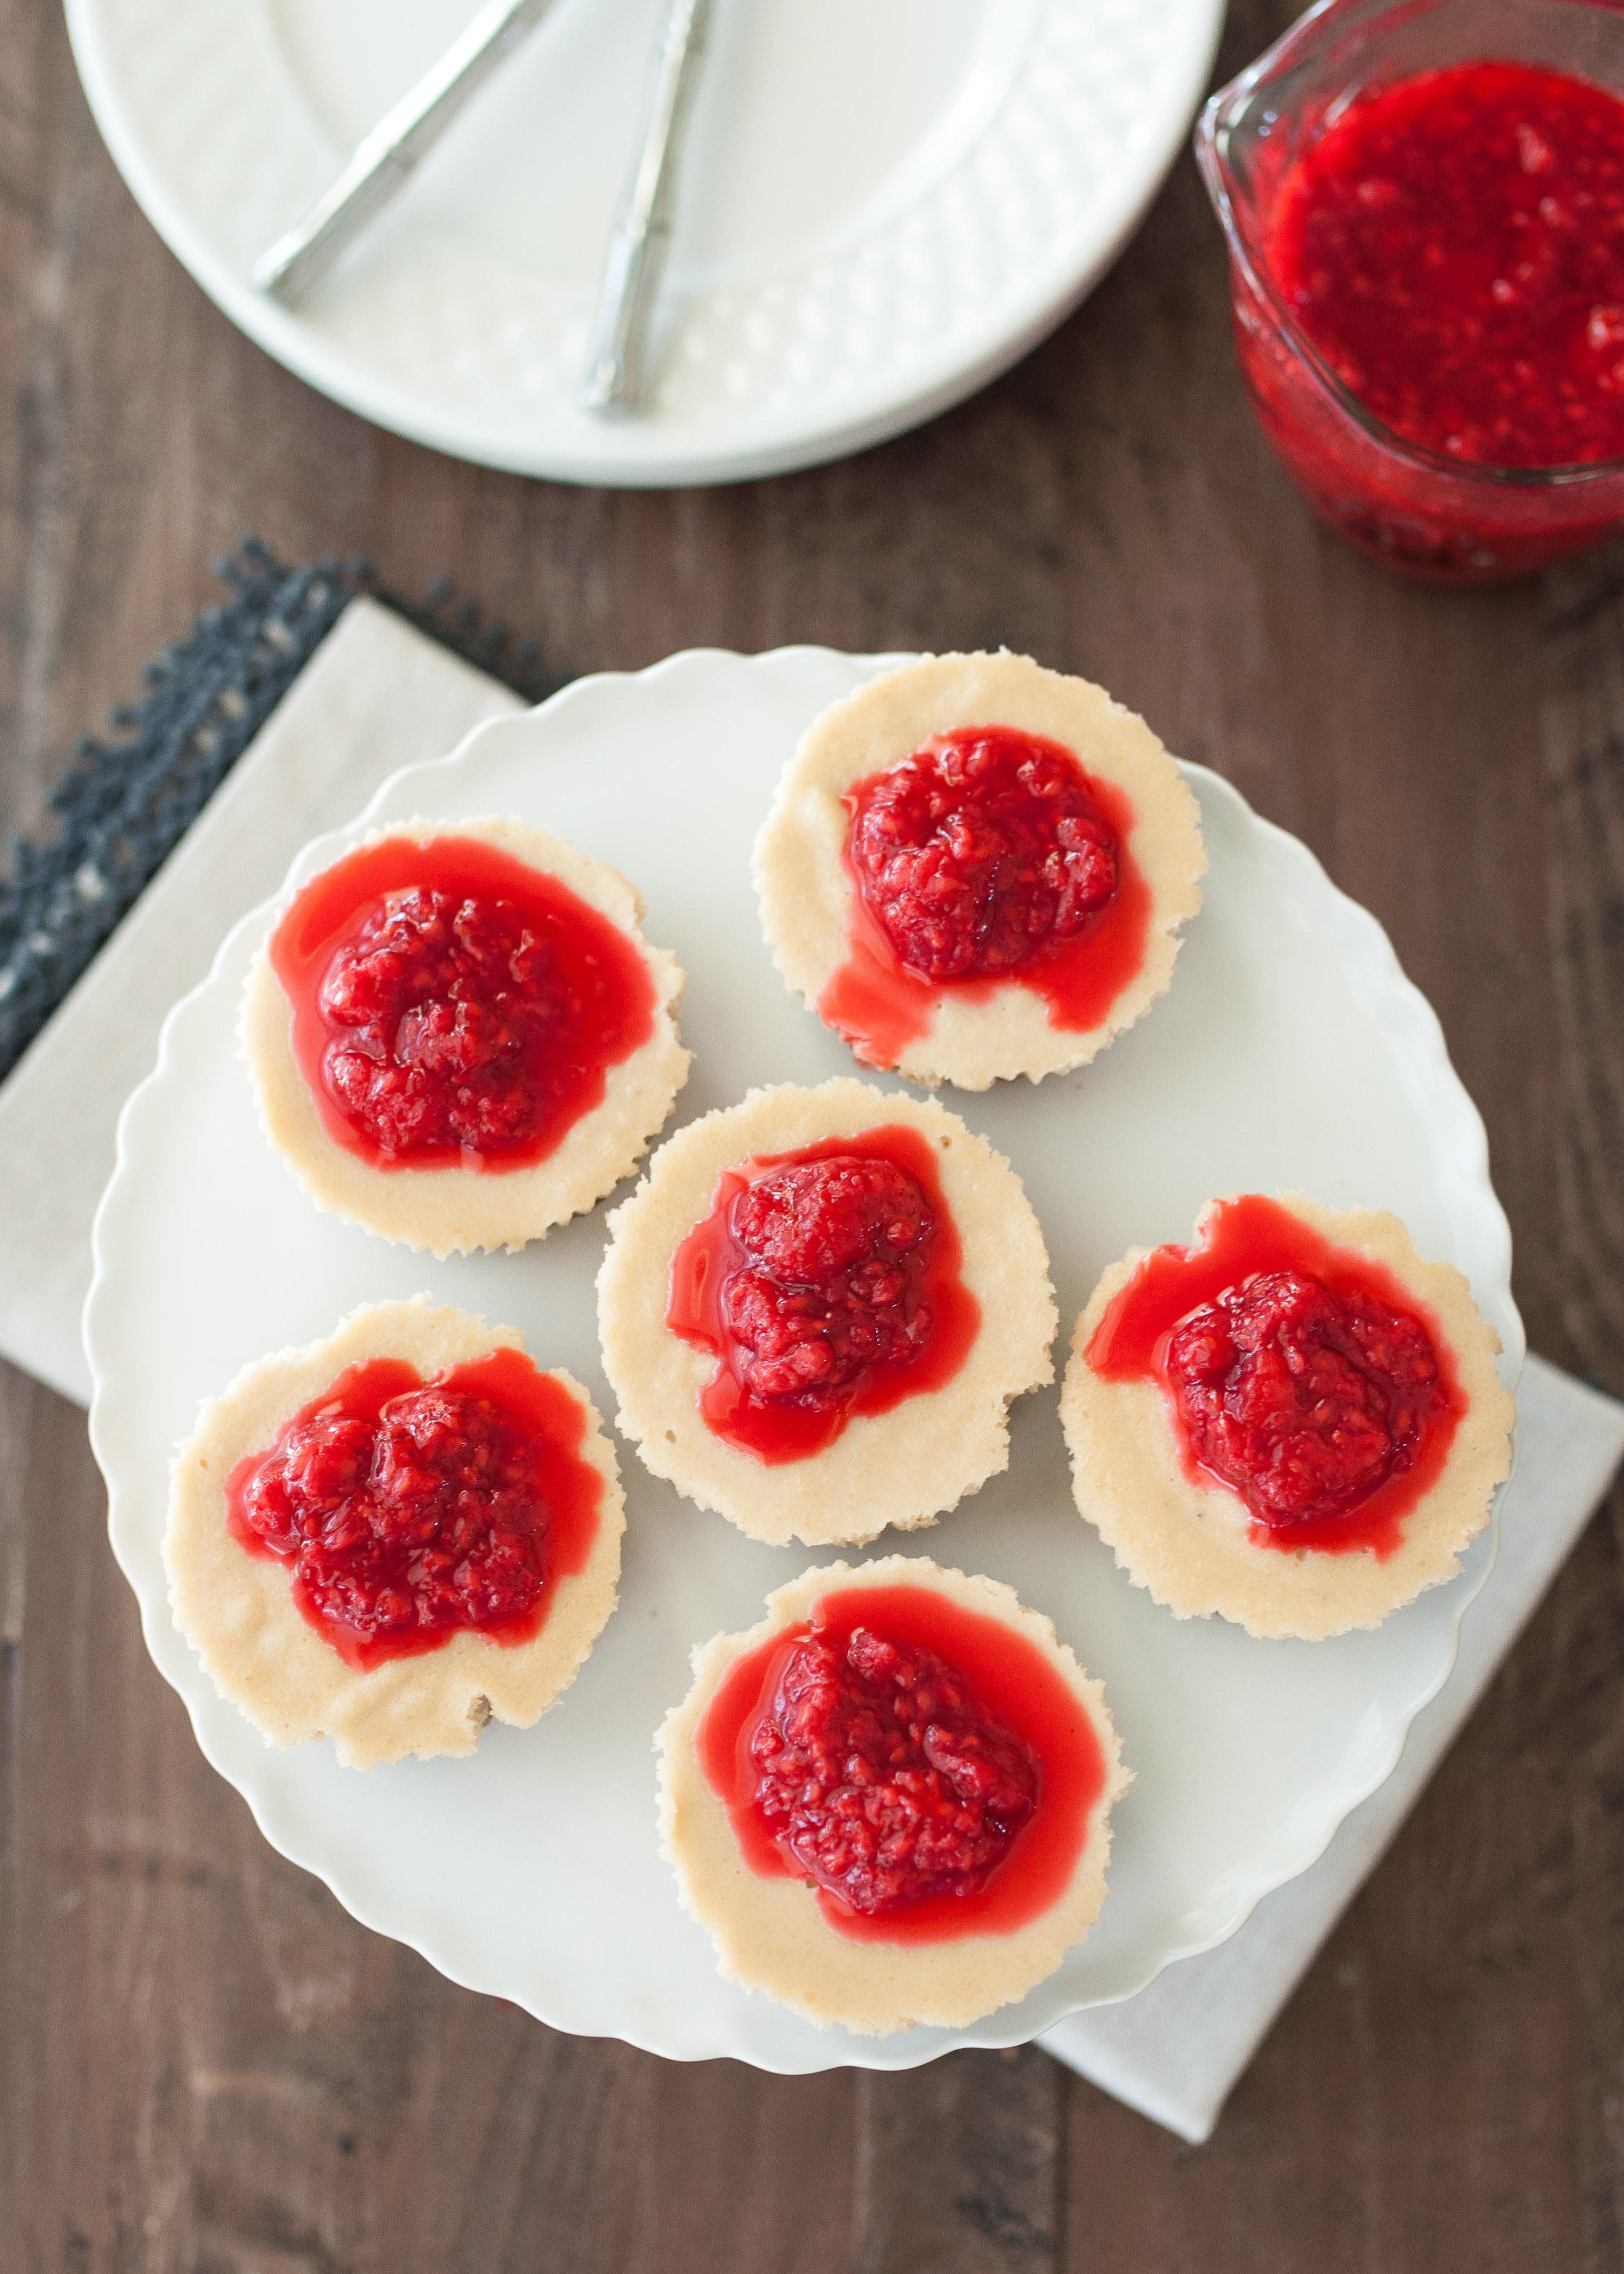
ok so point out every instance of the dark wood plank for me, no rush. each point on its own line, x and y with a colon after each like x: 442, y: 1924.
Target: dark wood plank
x: 1582, y: 739
x: 959, y: 2164
x: 208, y: 2066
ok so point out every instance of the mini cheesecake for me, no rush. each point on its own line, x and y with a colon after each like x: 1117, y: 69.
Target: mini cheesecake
x: 889, y: 1803
x: 393, y: 1535
x: 1296, y: 1422
x: 817, y: 1307
x: 975, y: 869
x: 458, y: 1035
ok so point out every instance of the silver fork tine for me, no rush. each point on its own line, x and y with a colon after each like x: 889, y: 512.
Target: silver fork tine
x: 383, y: 161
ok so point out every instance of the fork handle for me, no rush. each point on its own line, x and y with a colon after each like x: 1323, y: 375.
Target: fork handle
x: 614, y: 373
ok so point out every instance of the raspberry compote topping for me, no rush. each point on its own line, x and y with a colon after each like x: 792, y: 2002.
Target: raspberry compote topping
x: 923, y: 1766
x: 454, y: 1007
x: 408, y: 1511
x: 826, y: 1283
x: 1297, y: 1374
x: 981, y: 855
x: 883, y: 1778
x: 986, y: 857
x: 1452, y: 243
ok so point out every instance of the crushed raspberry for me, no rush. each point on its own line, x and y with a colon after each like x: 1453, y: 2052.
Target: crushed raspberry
x: 430, y: 1518
x: 1303, y: 1402
x: 408, y: 1510
x: 882, y: 1777
x: 825, y: 1282
x: 982, y: 855
x: 449, y: 1009
x: 835, y: 1253
x: 452, y: 1006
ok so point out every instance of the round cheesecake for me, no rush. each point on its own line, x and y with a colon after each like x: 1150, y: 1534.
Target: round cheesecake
x: 975, y: 868
x: 459, y: 1037
x: 889, y: 1802
x: 395, y: 1534
x: 817, y: 1307
x: 1296, y: 1423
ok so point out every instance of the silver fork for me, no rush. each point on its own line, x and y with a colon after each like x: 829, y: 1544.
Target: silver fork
x: 384, y: 160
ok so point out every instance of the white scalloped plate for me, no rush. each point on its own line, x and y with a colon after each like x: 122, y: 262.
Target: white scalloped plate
x: 882, y: 206
x: 1290, y: 1052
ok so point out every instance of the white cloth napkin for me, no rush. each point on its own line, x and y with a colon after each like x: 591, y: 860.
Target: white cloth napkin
x: 378, y: 696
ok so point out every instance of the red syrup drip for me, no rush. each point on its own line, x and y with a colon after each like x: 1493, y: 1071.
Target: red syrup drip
x: 879, y: 1003
x: 1375, y: 1362
x: 1453, y: 245
x: 924, y: 1331
x: 1016, y: 1688
x: 410, y: 1511
x: 452, y: 1007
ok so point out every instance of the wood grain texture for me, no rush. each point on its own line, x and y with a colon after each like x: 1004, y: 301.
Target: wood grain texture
x: 207, y: 2068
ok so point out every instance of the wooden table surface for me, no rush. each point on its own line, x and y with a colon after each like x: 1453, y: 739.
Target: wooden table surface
x: 208, y: 2066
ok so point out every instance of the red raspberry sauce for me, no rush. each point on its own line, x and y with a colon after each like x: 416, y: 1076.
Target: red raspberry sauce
x: 988, y: 856
x: 982, y: 1811
x: 453, y: 1007
x: 1303, y: 1377
x: 408, y: 1510
x: 826, y: 1283
x: 1453, y: 245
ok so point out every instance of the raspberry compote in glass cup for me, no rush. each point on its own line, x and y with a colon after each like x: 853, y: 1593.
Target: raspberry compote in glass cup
x: 1448, y: 519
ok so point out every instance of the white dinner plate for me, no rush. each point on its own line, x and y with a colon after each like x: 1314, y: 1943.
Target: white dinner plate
x: 1291, y: 1052
x: 884, y: 204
